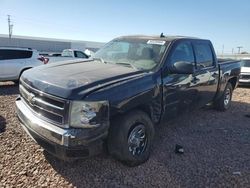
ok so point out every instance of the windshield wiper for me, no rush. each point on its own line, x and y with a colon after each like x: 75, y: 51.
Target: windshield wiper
x: 99, y: 59
x: 127, y: 65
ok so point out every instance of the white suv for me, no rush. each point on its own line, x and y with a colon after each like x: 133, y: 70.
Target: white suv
x: 13, y: 61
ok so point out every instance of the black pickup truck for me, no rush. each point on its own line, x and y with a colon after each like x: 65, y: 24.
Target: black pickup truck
x: 115, y: 100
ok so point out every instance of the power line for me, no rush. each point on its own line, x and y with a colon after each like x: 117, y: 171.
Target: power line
x: 239, y: 47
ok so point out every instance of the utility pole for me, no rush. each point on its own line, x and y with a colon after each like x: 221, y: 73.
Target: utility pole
x: 222, y: 50
x: 239, y: 47
x: 10, y: 27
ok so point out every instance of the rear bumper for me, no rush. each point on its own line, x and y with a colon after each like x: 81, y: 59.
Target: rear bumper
x: 244, y: 83
x: 63, y: 143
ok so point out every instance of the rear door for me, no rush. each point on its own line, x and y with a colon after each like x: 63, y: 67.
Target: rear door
x: 15, y: 61
x: 207, y: 74
x: 2, y: 64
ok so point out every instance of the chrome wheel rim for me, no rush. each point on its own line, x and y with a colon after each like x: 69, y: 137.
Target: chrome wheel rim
x: 227, y: 97
x: 137, y: 140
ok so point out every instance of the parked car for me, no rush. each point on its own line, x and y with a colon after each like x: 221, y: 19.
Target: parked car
x: 15, y: 60
x: 116, y: 99
x: 67, y: 54
x: 245, y: 72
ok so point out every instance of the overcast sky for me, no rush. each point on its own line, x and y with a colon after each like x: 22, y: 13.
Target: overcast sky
x: 224, y: 22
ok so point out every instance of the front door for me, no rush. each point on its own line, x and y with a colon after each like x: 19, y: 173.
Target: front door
x: 179, y: 90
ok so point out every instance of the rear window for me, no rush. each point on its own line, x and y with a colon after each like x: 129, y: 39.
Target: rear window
x: 15, y: 54
x: 245, y: 63
x: 203, y: 53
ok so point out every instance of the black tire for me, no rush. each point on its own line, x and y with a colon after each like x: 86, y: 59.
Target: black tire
x: 126, y: 133
x: 224, y: 102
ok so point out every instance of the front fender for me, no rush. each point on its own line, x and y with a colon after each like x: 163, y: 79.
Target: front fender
x: 139, y: 93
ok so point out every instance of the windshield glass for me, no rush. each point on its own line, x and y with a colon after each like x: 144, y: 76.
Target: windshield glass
x: 245, y: 63
x: 137, y: 53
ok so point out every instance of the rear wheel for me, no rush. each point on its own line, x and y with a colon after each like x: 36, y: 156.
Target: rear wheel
x: 224, y: 102
x: 130, y: 138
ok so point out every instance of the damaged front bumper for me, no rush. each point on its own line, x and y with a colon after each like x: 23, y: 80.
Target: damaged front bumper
x: 64, y: 143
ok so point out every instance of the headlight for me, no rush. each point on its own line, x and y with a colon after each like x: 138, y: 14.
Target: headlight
x: 88, y: 114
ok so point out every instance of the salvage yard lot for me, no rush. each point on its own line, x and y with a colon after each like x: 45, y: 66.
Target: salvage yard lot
x: 216, y: 153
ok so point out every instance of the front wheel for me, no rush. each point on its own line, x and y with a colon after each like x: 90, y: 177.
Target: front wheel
x: 224, y: 102
x: 130, y: 138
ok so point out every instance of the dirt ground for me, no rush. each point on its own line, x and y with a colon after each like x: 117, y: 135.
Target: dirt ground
x: 216, y: 153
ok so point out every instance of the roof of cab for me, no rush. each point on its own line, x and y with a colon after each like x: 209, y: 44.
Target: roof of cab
x: 15, y: 48
x: 154, y: 37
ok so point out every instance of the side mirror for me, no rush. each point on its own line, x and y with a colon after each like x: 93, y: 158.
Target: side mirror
x: 182, y: 67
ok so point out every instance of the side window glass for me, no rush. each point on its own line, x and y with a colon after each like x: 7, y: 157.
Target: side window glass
x: 204, y: 56
x: 2, y: 54
x: 14, y: 54
x: 80, y: 54
x: 182, y: 52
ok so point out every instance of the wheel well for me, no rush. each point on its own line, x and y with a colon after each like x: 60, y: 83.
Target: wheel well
x: 143, y: 108
x: 233, y: 81
x: 23, y: 71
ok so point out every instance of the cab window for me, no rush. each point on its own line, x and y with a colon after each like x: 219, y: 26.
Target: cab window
x: 182, y: 52
x: 15, y: 54
x: 203, y: 54
x: 80, y: 54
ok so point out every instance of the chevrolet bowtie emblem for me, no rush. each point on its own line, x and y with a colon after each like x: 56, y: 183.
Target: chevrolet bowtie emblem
x: 31, y: 98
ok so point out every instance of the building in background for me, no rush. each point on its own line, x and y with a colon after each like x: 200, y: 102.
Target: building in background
x: 47, y: 45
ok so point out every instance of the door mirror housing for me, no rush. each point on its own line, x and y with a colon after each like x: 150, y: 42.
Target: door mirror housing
x: 182, y: 67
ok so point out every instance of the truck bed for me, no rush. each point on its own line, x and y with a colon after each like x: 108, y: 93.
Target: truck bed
x: 225, y: 61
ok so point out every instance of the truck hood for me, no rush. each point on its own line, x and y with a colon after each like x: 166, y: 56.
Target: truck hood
x: 74, y: 79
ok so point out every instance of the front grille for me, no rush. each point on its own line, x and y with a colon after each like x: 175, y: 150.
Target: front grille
x: 242, y: 76
x: 48, y: 107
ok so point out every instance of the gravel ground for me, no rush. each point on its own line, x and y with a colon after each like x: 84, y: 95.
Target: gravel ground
x: 216, y: 153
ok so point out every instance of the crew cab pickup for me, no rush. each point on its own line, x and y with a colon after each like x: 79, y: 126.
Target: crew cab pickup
x: 68, y: 54
x: 116, y: 99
